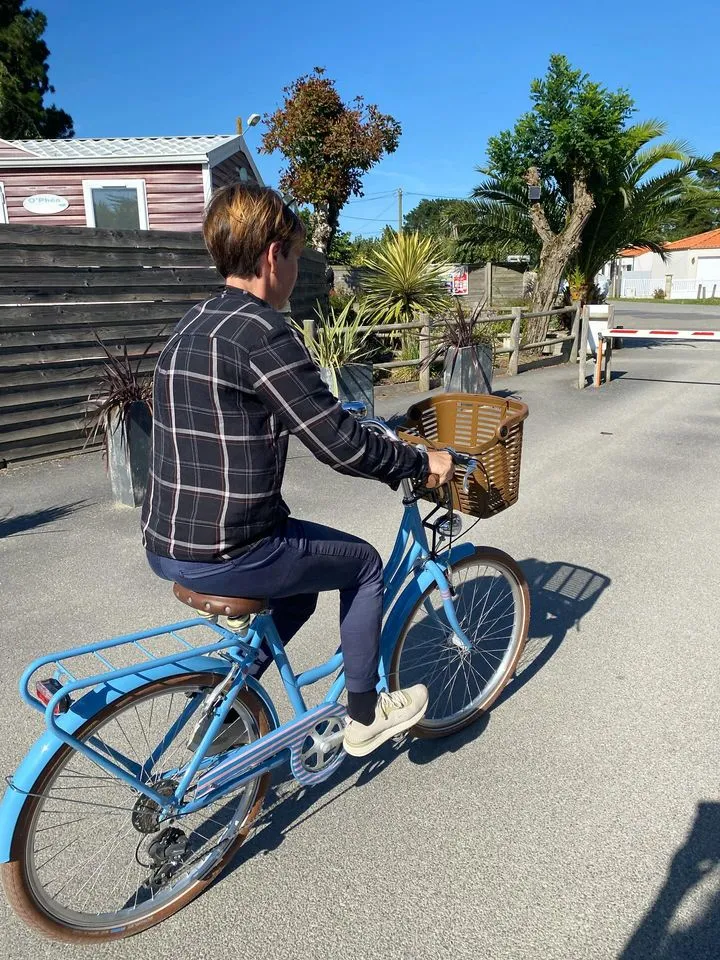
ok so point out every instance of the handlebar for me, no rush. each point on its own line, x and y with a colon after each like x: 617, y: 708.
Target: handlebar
x: 358, y: 410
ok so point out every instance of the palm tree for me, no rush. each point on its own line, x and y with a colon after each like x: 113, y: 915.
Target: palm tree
x: 637, y: 210
x: 632, y: 208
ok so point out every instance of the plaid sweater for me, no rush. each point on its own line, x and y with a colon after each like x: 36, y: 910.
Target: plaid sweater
x: 231, y: 383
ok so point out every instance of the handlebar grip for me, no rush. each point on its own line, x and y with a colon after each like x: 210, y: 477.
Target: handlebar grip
x: 432, y: 481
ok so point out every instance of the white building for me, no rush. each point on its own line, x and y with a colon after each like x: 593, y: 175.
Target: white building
x: 691, y: 269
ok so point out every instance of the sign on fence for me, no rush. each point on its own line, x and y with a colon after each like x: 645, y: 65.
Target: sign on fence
x: 458, y: 281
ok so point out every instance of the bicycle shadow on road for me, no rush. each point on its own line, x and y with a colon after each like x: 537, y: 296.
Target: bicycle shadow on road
x: 667, y: 932
x: 561, y: 594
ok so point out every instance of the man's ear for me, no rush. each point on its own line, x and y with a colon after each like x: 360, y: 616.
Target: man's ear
x: 273, y: 253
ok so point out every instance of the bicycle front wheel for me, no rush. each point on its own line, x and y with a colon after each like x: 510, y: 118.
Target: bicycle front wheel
x: 492, y: 603
x: 92, y: 858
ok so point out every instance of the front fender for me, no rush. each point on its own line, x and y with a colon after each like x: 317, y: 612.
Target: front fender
x: 406, y: 601
x: 44, y: 749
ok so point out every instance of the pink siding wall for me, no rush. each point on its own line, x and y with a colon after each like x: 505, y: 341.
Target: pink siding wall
x: 175, y: 194
x: 7, y: 150
x: 227, y: 171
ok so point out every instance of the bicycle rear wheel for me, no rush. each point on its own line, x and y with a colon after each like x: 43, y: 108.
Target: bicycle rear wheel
x: 91, y: 860
x: 492, y: 603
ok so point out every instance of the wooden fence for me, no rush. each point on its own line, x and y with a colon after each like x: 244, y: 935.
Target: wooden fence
x: 491, y: 284
x: 61, y: 285
x: 428, y: 338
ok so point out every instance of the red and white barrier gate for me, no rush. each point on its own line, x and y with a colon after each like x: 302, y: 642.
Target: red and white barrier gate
x: 661, y: 334
x: 605, y: 342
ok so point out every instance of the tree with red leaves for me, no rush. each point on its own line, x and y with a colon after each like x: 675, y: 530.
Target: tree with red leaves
x: 328, y: 145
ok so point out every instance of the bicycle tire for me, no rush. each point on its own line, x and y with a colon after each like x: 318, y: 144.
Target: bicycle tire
x: 16, y: 874
x: 430, y: 726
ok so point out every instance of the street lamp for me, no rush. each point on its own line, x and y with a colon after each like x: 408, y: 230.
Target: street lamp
x: 251, y: 121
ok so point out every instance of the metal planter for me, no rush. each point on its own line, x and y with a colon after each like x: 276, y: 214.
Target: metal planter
x: 468, y: 369
x: 128, y: 454
x: 352, y: 382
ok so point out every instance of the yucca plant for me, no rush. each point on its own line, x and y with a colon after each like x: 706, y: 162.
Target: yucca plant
x: 338, y: 340
x: 406, y: 276
x: 460, y: 329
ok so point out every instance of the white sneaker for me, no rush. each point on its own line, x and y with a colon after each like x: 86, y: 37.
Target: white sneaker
x: 395, y: 712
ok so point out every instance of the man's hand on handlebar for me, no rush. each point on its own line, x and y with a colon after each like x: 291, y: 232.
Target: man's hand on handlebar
x: 441, y: 468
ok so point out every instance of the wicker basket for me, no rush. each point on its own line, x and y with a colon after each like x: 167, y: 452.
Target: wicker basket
x: 486, y: 427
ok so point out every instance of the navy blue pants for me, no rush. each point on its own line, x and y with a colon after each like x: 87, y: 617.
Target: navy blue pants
x: 291, y: 568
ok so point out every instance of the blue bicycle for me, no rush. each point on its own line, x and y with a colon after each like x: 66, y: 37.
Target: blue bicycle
x: 151, y: 772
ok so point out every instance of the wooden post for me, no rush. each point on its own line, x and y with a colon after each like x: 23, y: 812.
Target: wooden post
x: 514, y: 361
x: 424, y: 379
x: 575, y: 331
x: 582, y: 358
x: 488, y: 283
x: 309, y: 331
x: 599, y: 359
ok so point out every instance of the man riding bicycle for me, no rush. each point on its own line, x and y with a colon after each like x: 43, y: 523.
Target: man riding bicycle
x: 230, y: 385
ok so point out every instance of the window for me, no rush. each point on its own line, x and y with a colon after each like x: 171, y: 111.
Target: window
x: 116, y: 204
x: 3, y: 205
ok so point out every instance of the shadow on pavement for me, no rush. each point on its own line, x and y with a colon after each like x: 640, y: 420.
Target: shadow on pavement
x: 561, y: 594
x: 689, y: 383
x: 664, y: 934
x: 23, y: 523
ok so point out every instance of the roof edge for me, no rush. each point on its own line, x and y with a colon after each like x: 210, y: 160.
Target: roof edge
x: 18, y: 163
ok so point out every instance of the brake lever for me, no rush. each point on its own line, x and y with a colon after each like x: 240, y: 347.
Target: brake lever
x: 472, y: 466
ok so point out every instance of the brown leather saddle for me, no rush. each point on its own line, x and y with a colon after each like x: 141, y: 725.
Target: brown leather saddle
x: 219, y: 606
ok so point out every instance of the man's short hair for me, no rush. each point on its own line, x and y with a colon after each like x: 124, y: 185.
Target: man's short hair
x: 241, y: 221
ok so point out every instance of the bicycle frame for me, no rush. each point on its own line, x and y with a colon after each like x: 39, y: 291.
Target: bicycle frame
x: 411, y: 558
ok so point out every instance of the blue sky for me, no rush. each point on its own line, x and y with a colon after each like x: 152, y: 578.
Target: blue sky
x: 452, y: 74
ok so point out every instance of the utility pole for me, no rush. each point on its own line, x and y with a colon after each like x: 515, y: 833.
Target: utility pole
x: 400, y: 210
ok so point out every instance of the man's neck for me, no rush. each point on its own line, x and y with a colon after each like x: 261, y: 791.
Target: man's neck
x: 257, y: 286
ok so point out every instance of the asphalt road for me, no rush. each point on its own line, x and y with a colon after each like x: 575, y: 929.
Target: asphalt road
x: 581, y: 821
x: 676, y: 316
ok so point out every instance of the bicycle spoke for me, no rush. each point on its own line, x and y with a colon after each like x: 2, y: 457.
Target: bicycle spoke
x: 83, y: 864
x: 461, y: 677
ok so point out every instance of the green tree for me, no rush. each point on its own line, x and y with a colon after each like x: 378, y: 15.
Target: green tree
x: 24, y: 77
x: 342, y: 248
x: 597, y: 178
x: 435, y: 218
x: 700, y: 207
x: 328, y: 145
x: 632, y: 210
x: 567, y: 145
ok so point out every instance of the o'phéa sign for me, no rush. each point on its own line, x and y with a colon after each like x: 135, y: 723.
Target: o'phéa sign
x: 45, y: 203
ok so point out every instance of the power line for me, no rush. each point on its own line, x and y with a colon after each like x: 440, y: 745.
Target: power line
x: 346, y: 216
x: 376, y: 196
x: 434, y: 196
x: 380, y: 219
